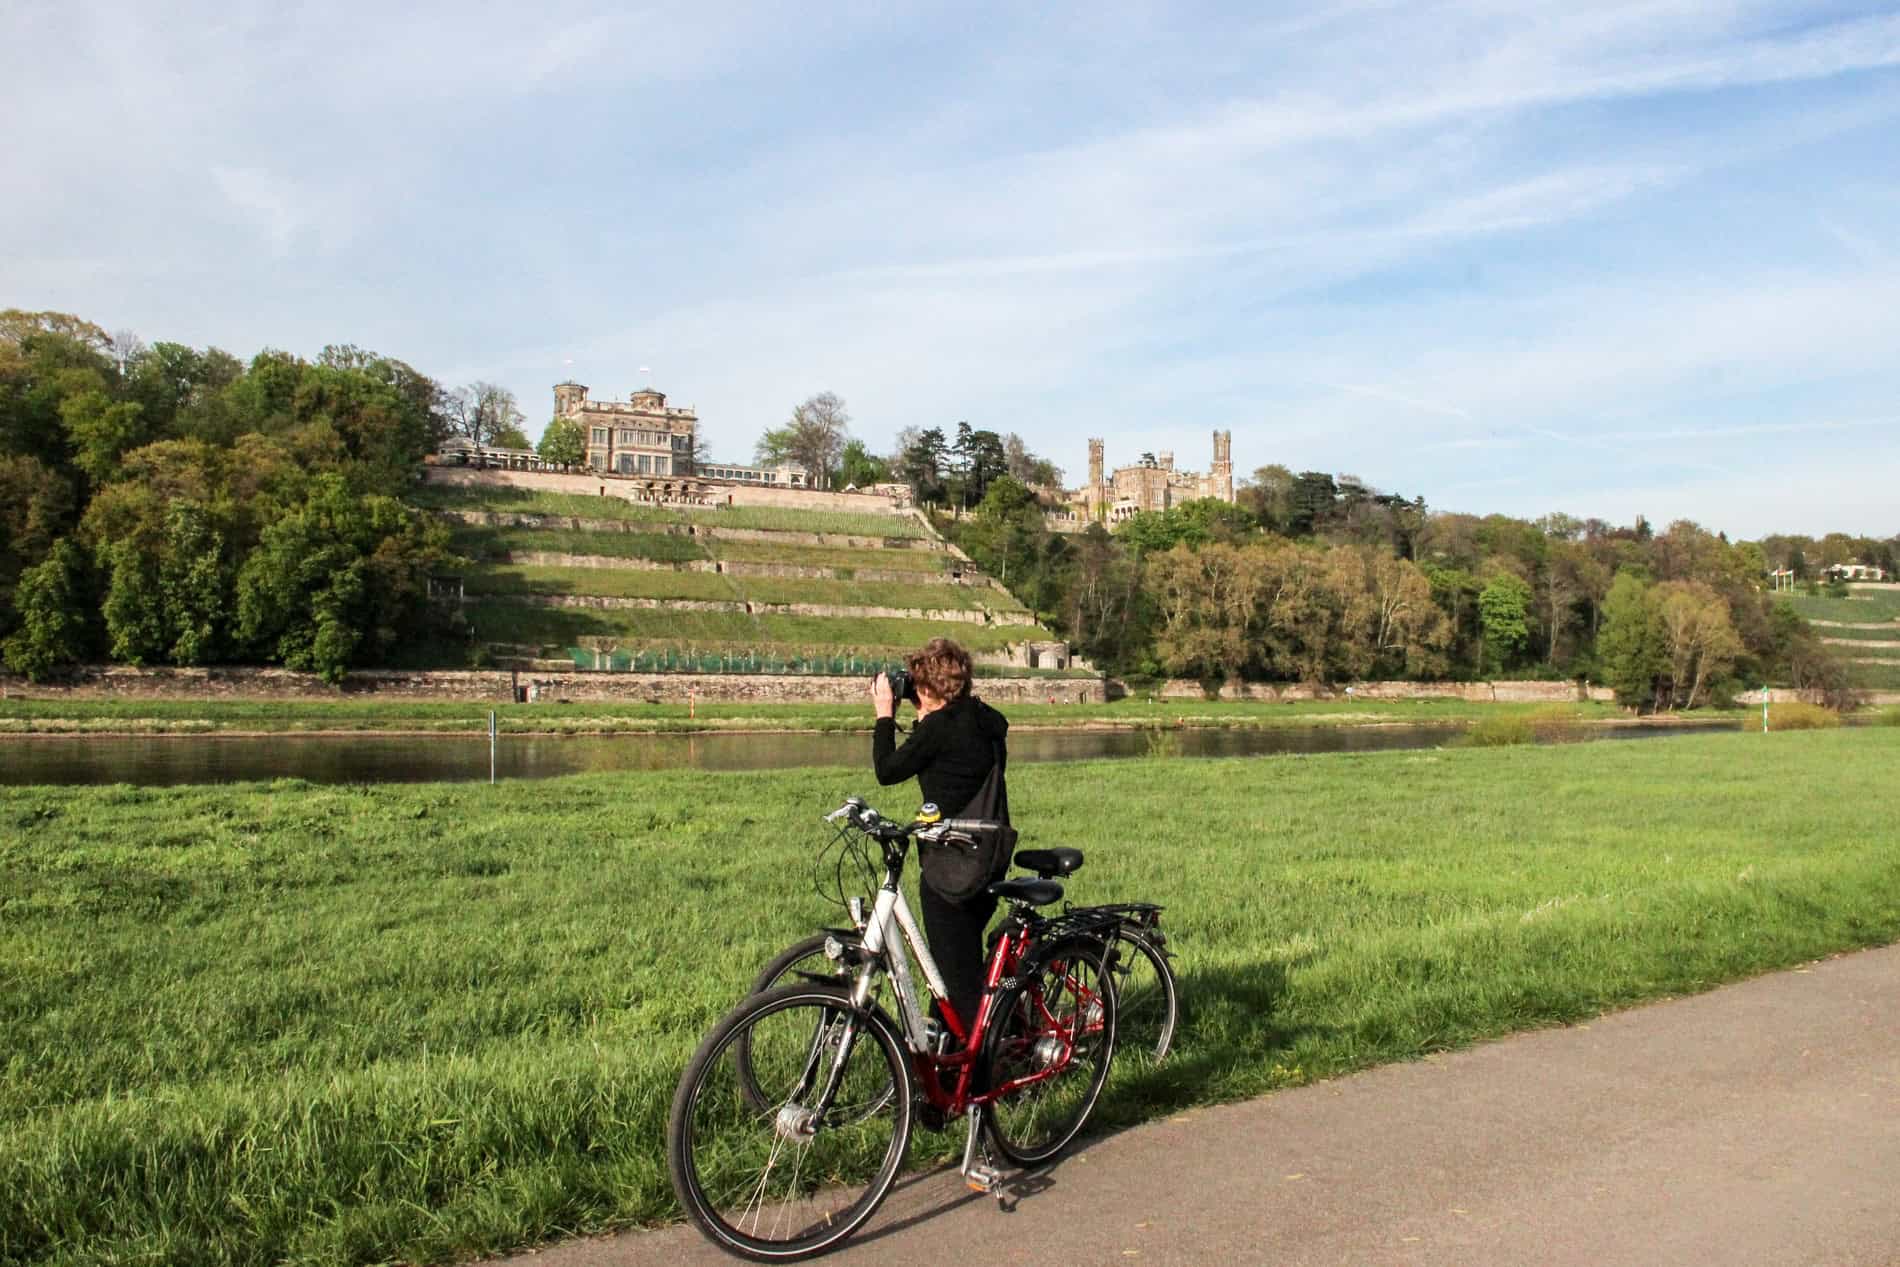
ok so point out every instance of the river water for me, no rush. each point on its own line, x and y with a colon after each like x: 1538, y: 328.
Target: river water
x: 167, y: 760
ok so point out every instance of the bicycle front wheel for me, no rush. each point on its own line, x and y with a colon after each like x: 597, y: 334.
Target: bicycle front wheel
x: 1147, y: 1001
x: 798, y: 1174
x: 1050, y: 1041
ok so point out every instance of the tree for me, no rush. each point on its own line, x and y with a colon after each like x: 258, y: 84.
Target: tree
x: 1026, y: 467
x: 861, y: 468
x: 52, y: 604
x: 511, y: 437
x: 814, y: 438
x: 1698, y: 639
x: 563, y: 442
x: 924, y: 464
x: 979, y: 458
x: 1504, y: 616
x: 1630, y: 645
x: 481, y: 412
x: 1268, y: 496
x: 1312, y: 498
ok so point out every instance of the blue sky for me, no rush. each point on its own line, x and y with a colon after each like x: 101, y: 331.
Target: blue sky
x: 1607, y: 259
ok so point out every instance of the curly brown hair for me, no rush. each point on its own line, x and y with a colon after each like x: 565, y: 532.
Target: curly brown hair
x: 943, y: 667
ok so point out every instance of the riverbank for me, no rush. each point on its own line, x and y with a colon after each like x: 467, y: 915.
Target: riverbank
x: 353, y: 1024
x: 356, y: 715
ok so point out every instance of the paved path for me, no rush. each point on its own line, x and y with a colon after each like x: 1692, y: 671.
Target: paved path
x: 1757, y: 1124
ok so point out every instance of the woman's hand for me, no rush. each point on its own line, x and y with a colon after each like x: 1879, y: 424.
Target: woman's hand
x: 883, y: 699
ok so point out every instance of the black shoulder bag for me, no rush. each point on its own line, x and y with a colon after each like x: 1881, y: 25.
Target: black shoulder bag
x: 973, y: 850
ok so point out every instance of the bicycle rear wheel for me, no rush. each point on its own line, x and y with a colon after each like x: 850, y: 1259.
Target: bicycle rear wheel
x: 1051, y: 1038
x: 1147, y: 1000
x: 793, y: 1177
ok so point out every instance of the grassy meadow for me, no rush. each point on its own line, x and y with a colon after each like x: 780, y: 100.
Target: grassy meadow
x: 285, y: 1023
x: 580, y: 506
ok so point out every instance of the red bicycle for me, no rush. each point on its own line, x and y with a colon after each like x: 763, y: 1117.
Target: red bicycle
x: 792, y: 1119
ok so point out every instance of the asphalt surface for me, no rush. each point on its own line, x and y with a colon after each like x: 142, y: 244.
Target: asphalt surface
x: 1755, y: 1124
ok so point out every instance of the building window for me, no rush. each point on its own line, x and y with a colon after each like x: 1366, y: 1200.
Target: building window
x: 659, y: 466
x: 626, y: 437
x: 646, y: 465
x: 626, y: 464
x: 600, y: 435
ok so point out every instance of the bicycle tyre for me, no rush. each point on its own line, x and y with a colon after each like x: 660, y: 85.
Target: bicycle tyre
x: 785, y: 969
x: 780, y: 971
x: 1147, y: 996
x: 1036, y: 1030
x: 729, y: 1160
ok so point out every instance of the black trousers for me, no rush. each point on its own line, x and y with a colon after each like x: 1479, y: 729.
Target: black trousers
x: 955, y: 933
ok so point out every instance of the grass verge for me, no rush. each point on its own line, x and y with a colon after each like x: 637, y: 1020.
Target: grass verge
x: 281, y: 1023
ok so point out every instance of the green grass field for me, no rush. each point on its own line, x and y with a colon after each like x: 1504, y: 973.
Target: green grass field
x: 497, y: 620
x: 373, y: 713
x: 508, y: 579
x: 1866, y: 606
x: 660, y: 547
x: 767, y: 518
x: 283, y: 1023
x: 1886, y: 633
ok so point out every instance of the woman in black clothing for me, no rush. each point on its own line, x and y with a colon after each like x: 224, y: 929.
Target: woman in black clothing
x: 956, y: 739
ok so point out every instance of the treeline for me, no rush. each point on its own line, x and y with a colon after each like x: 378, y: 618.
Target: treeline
x: 1317, y: 579
x: 165, y: 505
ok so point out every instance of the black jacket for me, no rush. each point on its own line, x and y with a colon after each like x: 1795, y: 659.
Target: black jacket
x: 950, y: 752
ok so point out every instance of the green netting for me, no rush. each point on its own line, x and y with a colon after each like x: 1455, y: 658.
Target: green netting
x: 688, y: 660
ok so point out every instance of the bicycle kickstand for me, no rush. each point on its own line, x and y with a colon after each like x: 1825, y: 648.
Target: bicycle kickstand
x: 980, y: 1176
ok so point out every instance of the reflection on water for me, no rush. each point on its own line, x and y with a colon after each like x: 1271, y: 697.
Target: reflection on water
x: 165, y: 760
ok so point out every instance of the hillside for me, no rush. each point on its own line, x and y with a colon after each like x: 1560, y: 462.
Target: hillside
x: 1863, y: 629
x: 600, y: 582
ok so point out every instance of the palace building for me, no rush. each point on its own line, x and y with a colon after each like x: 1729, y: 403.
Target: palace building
x: 1153, y: 483
x: 641, y: 435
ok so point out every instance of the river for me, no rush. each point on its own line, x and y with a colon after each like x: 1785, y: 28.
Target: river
x: 157, y: 761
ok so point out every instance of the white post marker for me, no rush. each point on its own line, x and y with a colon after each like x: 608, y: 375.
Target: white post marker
x: 1764, y: 710
x: 491, y: 745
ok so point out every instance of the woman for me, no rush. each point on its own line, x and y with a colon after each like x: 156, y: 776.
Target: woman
x: 956, y: 740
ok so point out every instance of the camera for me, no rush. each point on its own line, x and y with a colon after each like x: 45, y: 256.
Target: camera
x: 903, y: 686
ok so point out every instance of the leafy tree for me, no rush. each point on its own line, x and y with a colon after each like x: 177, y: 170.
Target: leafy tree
x: 859, y: 467
x: 338, y: 581
x: 1630, y: 646
x: 195, y: 581
x: 924, y: 464
x: 134, y: 607
x: 1699, y: 640
x: 52, y: 602
x: 1268, y: 496
x: 1504, y: 616
x: 814, y: 438
x: 564, y: 442
x: 979, y: 458
x: 1312, y: 498
x: 101, y: 430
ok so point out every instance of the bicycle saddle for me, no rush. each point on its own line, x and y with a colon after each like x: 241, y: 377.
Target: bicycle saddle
x: 1033, y: 892
x: 1050, y: 863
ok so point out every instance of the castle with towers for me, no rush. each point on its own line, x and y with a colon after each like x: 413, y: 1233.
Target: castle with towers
x: 1152, y: 483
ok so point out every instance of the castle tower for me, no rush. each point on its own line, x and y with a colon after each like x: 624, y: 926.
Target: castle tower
x: 569, y: 397
x: 1098, y: 491
x: 1223, y: 471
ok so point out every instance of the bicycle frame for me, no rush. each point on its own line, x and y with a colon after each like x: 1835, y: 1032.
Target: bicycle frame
x: 891, y: 937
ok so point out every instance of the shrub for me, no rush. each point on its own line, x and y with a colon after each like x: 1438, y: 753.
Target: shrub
x: 1887, y: 716
x: 1499, y: 732
x: 1794, y: 717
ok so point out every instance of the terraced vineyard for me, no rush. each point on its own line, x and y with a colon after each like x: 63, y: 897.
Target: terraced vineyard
x: 1863, y: 629
x: 596, y: 581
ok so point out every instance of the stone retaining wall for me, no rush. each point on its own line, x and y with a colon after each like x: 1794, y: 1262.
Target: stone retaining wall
x: 498, y: 685
x: 600, y: 602
x: 632, y: 487
x: 576, y: 523
x: 730, y: 567
x: 1483, y: 692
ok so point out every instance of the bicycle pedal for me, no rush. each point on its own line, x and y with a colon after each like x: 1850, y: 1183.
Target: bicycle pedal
x: 984, y: 1179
